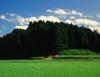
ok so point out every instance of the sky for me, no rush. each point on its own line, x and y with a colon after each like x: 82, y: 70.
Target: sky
x: 18, y: 13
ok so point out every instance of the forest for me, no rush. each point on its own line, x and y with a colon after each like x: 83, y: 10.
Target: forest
x: 47, y: 38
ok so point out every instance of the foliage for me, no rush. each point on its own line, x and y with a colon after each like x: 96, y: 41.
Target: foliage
x: 46, y: 39
x: 77, y: 52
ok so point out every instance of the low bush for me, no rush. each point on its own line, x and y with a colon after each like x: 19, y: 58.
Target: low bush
x: 77, y: 52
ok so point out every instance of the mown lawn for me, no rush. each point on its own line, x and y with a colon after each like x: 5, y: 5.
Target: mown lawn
x: 50, y: 68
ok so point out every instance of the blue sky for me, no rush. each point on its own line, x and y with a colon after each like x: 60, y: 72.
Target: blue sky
x: 13, y: 13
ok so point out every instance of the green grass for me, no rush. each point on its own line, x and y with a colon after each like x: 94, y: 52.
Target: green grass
x: 49, y: 68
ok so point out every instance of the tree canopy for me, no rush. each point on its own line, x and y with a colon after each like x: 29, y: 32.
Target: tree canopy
x: 45, y: 38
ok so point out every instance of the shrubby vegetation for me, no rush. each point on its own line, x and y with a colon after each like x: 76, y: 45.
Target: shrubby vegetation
x: 77, y: 52
x: 48, y: 38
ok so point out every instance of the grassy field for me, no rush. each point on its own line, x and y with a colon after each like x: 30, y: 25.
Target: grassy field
x: 49, y: 68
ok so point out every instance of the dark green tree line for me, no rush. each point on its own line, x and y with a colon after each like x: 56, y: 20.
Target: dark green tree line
x: 45, y: 38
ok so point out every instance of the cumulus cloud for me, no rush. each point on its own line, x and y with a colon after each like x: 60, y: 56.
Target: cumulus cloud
x: 21, y: 20
x: 32, y: 19
x: 72, y: 17
x: 70, y: 21
x: 87, y: 22
x: 2, y: 17
x: 74, y: 12
x: 57, y: 11
x: 24, y: 21
x: 49, y: 18
x: 21, y: 27
x: 12, y: 14
x: 66, y: 12
x: 92, y: 24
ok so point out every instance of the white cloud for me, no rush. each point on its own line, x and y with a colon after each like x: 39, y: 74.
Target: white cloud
x: 21, y: 20
x: 2, y: 17
x: 65, y: 12
x: 32, y: 19
x: 21, y: 27
x: 86, y: 22
x: 72, y: 17
x: 92, y: 24
x: 24, y: 21
x: 49, y: 10
x: 57, y: 11
x: 11, y: 14
x: 16, y: 19
x: 70, y: 21
x: 74, y: 12
x: 49, y: 18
